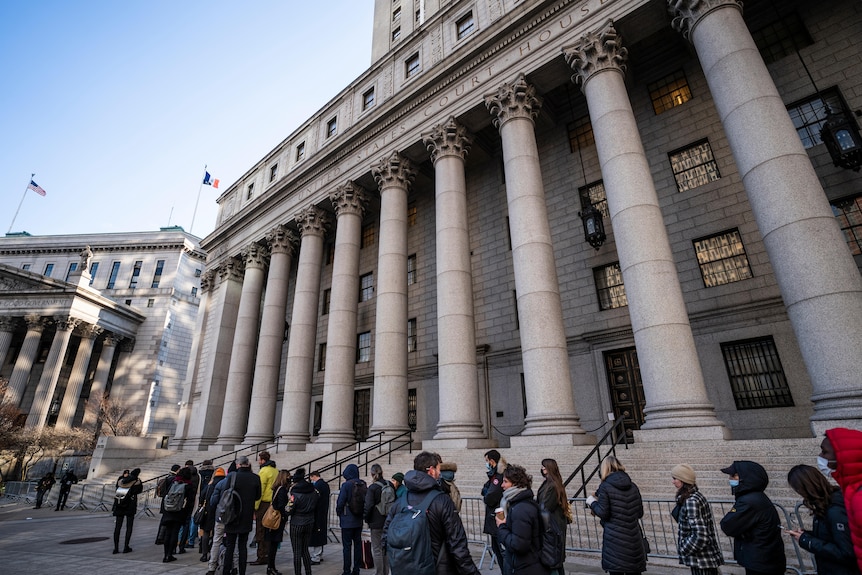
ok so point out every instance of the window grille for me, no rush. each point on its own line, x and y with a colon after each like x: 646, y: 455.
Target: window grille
x: 756, y: 376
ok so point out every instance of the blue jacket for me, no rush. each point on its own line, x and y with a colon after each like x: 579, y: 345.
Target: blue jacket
x: 346, y: 519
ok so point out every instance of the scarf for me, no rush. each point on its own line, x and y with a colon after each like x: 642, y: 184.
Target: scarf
x: 508, y: 495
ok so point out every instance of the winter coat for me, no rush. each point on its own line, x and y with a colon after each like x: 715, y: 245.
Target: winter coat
x: 210, y: 517
x: 521, y: 535
x: 279, y: 502
x: 69, y: 478
x: 829, y: 540
x: 346, y: 518
x: 492, y: 493
x: 444, y: 525
x: 46, y: 483
x: 753, y: 522
x: 321, y: 515
x: 128, y: 505
x: 546, y: 497
x: 188, y: 503
x: 697, y: 541
x: 305, y: 500
x: 847, y: 444
x: 268, y: 473
x: 205, y: 473
x: 247, y: 485
x: 618, y: 505
x: 372, y: 515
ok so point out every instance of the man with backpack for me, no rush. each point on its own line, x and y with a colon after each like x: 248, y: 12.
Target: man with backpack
x: 240, y: 488
x: 378, y: 501
x: 350, y: 507
x: 423, y: 534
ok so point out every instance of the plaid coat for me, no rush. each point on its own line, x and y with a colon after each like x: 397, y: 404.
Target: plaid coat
x: 697, y: 542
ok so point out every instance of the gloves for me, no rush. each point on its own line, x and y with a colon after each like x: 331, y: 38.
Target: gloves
x: 590, y: 501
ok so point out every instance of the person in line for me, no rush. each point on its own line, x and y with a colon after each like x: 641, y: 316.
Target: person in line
x: 267, y: 474
x: 305, y: 500
x: 213, y: 528
x: 174, y: 520
x: 319, y: 533
x: 829, y: 536
x: 519, y: 527
x: 187, y: 529
x: 207, y: 527
x: 697, y: 540
x: 492, y: 493
x: 447, y: 483
x: 247, y: 485
x: 552, y: 498
x: 43, y: 487
x: 841, y: 459
x: 398, y: 482
x: 125, y: 507
x: 375, y: 518
x: 350, y: 522
x: 66, y: 482
x: 448, y: 538
x: 618, y: 504
x: 753, y: 521
x: 278, y: 501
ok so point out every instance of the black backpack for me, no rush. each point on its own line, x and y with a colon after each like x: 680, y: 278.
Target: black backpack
x: 553, y: 552
x: 176, y: 498
x: 356, y: 503
x: 229, y: 506
x: 408, y: 538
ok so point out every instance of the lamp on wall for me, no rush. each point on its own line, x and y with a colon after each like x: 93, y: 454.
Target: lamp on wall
x: 594, y: 227
x: 841, y: 136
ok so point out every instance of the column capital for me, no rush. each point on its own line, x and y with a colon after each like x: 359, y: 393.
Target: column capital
x: 255, y: 256
x: 448, y: 139
x: 281, y: 240
x: 35, y: 322
x: 127, y: 345
x: 596, y: 52
x: 394, y: 170
x: 111, y: 339
x: 66, y: 323
x: 208, y: 280
x: 89, y: 331
x: 7, y: 323
x: 348, y: 198
x: 231, y: 270
x: 312, y: 221
x: 687, y: 13
x: 515, y: 100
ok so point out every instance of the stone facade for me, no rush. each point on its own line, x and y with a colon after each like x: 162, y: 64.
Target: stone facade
x: 449, y: 179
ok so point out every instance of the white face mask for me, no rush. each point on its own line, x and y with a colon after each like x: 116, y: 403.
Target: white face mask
x: 823, y: 466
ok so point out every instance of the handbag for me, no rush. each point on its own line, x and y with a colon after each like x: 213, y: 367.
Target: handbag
x: 367, y: 556
x: 272, y: 517
x: 647, y: 549
x: 121, y: 493
x: 200, y: 514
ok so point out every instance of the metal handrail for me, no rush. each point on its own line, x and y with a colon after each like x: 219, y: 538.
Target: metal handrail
x: 617, y: 434
x: 403, y: 440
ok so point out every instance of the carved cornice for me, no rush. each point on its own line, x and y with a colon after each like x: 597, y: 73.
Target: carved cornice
x: 449, y: 139
x: 208, y: 279
x: 348, y: 198
x: 596, y: 52
x: 395, y: 170
x: 515, y: 100
x: 687, y: 13
x: 313, y: 221
x: 255, y: 256
x: 281, y: 240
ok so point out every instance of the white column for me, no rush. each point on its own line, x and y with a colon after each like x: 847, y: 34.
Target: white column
x: 72, y: 395
x: 7, y: 330
x: 460, y: 423
x: 51, y: 372
x: 545, y: 357
x: 100, y: 380
x: 26, y: 355
x: 818, y: 278
x: 239, y: 376
x: 264, y: 389
x: 349, y: 201
x: 394, y: 175
x: 677, y: 405
x: 299, y: 369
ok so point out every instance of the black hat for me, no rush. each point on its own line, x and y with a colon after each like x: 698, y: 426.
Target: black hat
x: 175, y: 467
x: 730, y: 469
x: 299, y: 475
x: 136, y: 471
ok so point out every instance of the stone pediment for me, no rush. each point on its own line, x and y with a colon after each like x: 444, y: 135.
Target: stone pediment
x: 15, y: 280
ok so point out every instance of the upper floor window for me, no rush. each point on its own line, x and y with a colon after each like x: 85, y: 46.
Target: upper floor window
x: 369, y: 236
x: 194, y: 292
x: 609, y: 286
x: 327, y: 299
x: 94, y: 267
x: 160, y: 267
x: 809, y: 114
x: 411, y: 269
x: 321, y: 357
x: 330, y: 253
x: 465, y: 26
x: 781, y: 38
x: 249, y: 191
x: 756, y: 376
x: 73, y: 267
x: 670, y: 91
x: 112, y: 278
x: 411, y: 66
x: 693, y: 166
x: 411, y: 214
x: 366, y: 287
x: 331, y: 127
x: 411, y: 335
x: 581, y: 134
x: 273, y: 172
x: 368, y: 99
x: 849, y: 214
x: 49, y: 269
x: 363, y: 347
x: 197, y: 271
x: 136, y: 273
x: 722, y: 258
x: 25, y: 267
x: 396, y: 34
x: 300, y: 151
x: 396, y: 14
x: 594, y: 195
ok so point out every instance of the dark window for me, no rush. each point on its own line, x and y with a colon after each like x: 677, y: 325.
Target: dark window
x: 670, y: 91
x: 609, y: 286
x: 411, y: 214
x: 249, y: 193
x: 411, y: 269
x: 330, y: 253
x: 273, y: 172
x: 327, y: 298
x: 411, y: 66
x: 151, y: 302
x: 321, y: 357
x: 49, y: 269
x: 300, y: 151
x: 693, y: 166
x: 515, y: 309
x: 465, y: 26
x: 369, y: 236
x: 594, y: 195
x: 396, y: 14
x: 112, y: 279
x: 411, y: 408
x: 756, y: 376
x: 363, y: 347
x: 411, y: 335
x: 160, y: 267
x: 194, y: 292
x: 396, y: 34
x: 524, y: 394
x: 25, y: 267
x: 781, y: 38
x: 318, y: 417
x: 331, y: 127
x: 581, y: 134
x: 368, y: 99
x: 94, y: 267
x: 197, y: 272
x: 849, y: 214
x: 72, y: 268
x: 136, y: 273
x: 722, y: 258
x: 366, y: 287
x: 809, y: 114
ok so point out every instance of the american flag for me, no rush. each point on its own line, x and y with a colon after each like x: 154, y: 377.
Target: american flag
x: 36, y: 188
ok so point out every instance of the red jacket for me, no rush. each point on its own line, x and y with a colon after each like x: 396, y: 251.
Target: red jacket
x: 847, y: 444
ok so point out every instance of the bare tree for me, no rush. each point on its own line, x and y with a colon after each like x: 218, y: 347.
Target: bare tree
x: 12, y: 439
x: 117, y: 418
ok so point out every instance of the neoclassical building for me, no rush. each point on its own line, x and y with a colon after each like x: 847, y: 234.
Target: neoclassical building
x: 81, y: 315
x: 413, y: 257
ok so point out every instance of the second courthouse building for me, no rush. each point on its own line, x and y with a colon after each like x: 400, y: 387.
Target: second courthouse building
x: 413, y: 257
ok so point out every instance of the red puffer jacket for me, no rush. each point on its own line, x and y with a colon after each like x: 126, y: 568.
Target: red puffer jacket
x: 847, y: 444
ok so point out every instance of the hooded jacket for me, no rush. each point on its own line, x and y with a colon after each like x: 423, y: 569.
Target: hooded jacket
x: 128, y: 505
x: 305, y: 499
x: 753, y: 522
x: 829, y: 540
x: 268, y: 473
x: 521, y: 535
x: 346, y: 518
x: 619, y: 506
x: 847, y: 444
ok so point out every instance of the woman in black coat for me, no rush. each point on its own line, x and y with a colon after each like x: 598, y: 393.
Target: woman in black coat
x: 173, y: 520
x: 125, y: 507
x: 520, y: 532
x: 552, y: 498
x: 617, y: 503
x: 304, y: 500
x: 280, y: 496
x: 829, y: 537
x: 320, y: 533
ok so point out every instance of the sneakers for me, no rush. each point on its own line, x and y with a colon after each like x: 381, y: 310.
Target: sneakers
x: 127, y: 549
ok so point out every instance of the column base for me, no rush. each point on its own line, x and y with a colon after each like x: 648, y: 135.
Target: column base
x: 715, y: 432
x: 553, y: 425
x: 254, y: 439
x: 552, y: 439
x: 460, y: 431
x: 457, y: 443
x: 327, y: 444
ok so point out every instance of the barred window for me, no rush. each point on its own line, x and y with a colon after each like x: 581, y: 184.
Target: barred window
x: 321, y: 357
x: 781, y: 38
x: 465, y: 26
x: 581, y: 134
x: 849, y: 214
x: 331, y: 127
x: 808, y: 115
x: 368, y: 99
x: 396, y: 34
x: 669, y: 92
x: 411, y: 335
x: 693, y: 166
x: 411, y: 408
x: 411, y: 66
x: 722, y: 259
x: 249, y: 191
x: 594, y: 195
x: 411, y: 269
x: 369, y: 236
x: 363, y: 347
x: 609, y: 286
x: 756, y: 376
x: 366, y: 287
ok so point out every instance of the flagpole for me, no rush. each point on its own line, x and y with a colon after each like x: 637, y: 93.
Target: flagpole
x: 200, y: 187
x: 27, y: 187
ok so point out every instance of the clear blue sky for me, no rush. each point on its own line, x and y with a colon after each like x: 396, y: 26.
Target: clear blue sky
x: 117, y: 105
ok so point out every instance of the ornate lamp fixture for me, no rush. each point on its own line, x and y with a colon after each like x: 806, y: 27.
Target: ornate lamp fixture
x: 841, y: 136
x: 594, y: 227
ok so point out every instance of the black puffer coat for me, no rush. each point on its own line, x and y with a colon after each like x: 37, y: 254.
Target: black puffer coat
x: 619, y: 506
x: 321, y: 515
x: 829, y: 540
x: 305, y: 500
x: 753, y: 522
x: 247, y: 484
x: 521, y: 534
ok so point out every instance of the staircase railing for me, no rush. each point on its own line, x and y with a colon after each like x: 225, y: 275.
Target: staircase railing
x: 615, y: 435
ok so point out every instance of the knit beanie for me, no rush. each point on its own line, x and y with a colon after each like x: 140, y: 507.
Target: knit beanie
x: 684, y: 473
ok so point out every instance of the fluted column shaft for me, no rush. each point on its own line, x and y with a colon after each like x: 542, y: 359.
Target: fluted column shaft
x: 349, y: 201
x: 676, y: 397
x: 459, y: 415
x: 299, y: 368
x: 26, y: 355
x: 100, y: 380
x: 51, y: 372
x: 272, y: 327
x: 239, y: 376
x: 69, y: 405
x: 818, y: 278
x: 7, y: 330
x: 394, y: 176
x: 545, y: 356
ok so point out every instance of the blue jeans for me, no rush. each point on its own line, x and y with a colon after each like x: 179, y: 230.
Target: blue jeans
x: 351, y: 536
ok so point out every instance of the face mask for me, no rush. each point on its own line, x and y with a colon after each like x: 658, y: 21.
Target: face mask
x: 823, y: 466
x: 488, y: 467
x: 544, y: 473
x: 734, y: 482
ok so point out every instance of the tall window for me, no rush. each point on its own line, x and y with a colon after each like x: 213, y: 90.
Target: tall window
x: 112, y: 279
x: 368, y: 99
x: 411, y: 269
x: 327, y: 299
x: 94, y: 267
x: 249, y: 191
x: 722, y: 258
x: 669, y: 92
x: 363, y: 347
x: 411, y: 335
x: 396, y: 34
x: 693, y: 166
x: 330, y: 253
x: 321, y: 357
x: 594, y: 195
x: 411, y: 408
x: 396, y: 14
x: 72, y: 268
x: 300, y: 151
x: 781, y: 38
x: 465, y: 26
x: 49, y: 269
x: 136, y: 273
x: 808, y: 115
x: 273, y: 172
x: 369, y: 236
x: 366, y: 287
x: 194, y: 292
x: 411, y: 214
x: 331, y: 127
x: 849, y: 214
x: 756, y: 376
x: 581, y: 134
x: 609, y: 286
x: 157, y: 276
x: 411, y: 66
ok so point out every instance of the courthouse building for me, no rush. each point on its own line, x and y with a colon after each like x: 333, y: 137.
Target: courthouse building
x: 413, y: 256
x: 81, y: 315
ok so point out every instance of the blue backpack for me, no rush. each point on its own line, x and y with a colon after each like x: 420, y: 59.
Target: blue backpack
x: 408, y: 538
